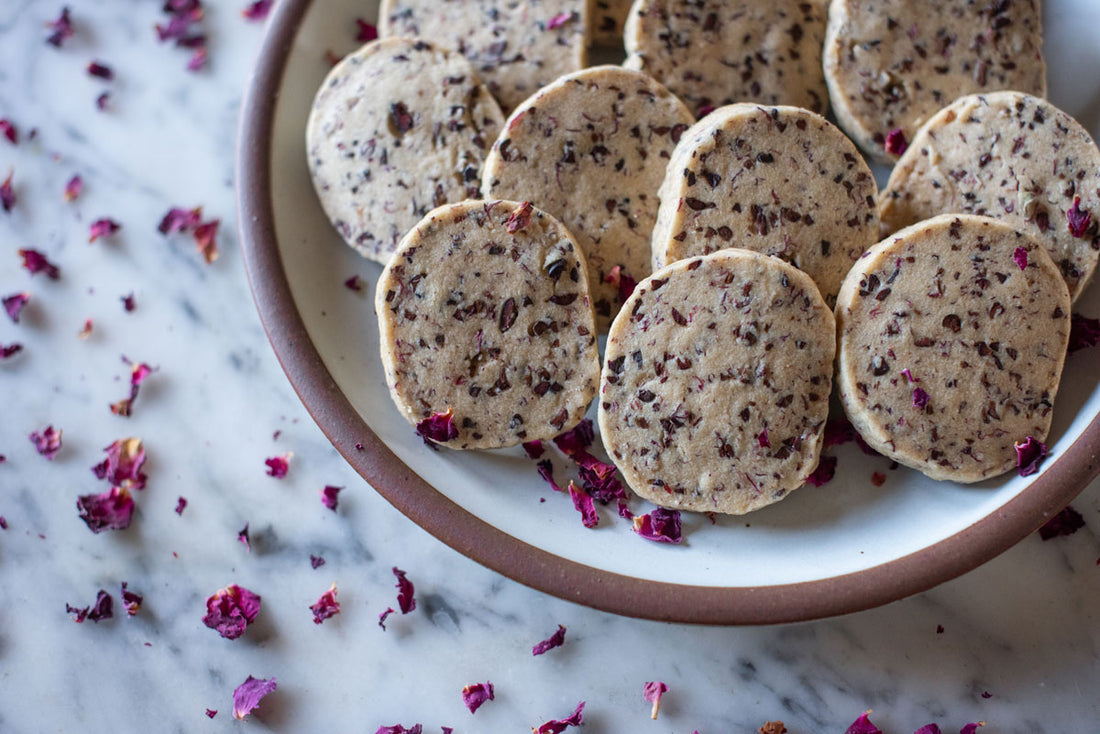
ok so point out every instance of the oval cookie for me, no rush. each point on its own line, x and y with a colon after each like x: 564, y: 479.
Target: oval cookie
x: 515, y: 46
x: 712, y: 53
x: 892, y: 64
x: 782, y: 181
x: 715, y: 386
x: 484, y: 318
x: 1012, y: 156
x: 591, y: 149
x: 952, y: 336
x: 397, y: 128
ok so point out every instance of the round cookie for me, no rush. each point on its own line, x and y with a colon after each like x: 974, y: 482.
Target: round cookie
x: 397, y: 128
x: 952, y: 334
x: 716, y: 380
x: 591, y: 149
x: 608, y: 17
x: 892, y: 64
x: 714, y: 52
x: 1012, y: 156
x: 782, y: 181
x: 515, y: 46
x: 484, y: 318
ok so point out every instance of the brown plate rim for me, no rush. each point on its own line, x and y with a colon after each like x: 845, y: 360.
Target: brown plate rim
x: 450, y: 523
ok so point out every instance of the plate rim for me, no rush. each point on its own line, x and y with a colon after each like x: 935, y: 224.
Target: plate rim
x: 534, y: 567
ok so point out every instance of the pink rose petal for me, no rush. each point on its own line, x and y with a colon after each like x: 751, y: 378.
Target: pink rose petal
x: 652, y: 692
x: 316, y: 562
x: 661, y: 526
x: 277, y: 466
x: 8, y: 130
x: 74, y: 188
x: 920, y: 398
x: 1066, y: 522
x: 863, y: 725
x: 231, y: 610
x: 131, y: 601
x: 111, y: 510
x: 558, y: 21
x: 1029, y: 454
x: 365, y: 32
x: 475, y: 694
x: 555, y: 640
x: 557, y: 726
x: 405, y: 591
x: 35, y: 262
x: 1019, y: 255
x: 48, y: 442
x: 533, y: 449
x: 62, y: 28
x: 329, y: 497
x: 584, y: 504
x: 438, y: 427
x: 247, y: 696
x: 14, y: 304
x: 928, y: 729
x: 1078, y: 218
x: 384, y: 616
x: 103, y: 228
x: 122, y: 467
x: 896, y: 144
x: 10, y: 350
x: 181, y: 505
x: 101, y: 71
x: 326, y: 607
x: 7, y: 194
x: 257, y: 10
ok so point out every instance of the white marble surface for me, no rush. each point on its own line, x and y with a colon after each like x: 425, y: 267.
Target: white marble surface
x: 1023, y: 628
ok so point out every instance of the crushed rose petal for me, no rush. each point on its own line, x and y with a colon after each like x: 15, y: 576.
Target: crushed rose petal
x: 601, y: 480
x: 131, y: 601
x: 1066, y: 522
x: 574, y: 443
x: 35, y: 262
x: 1029, y: 454
x: 365, y: 32
x: 62, y: 28
x: 557, y: 726
x: 558, y: 21
x: 181, y: 505
x: 928, y: 729
x: 895, y: 143
x: 555, y: 640
x: 1083, y: 332
x: 584, y: 504
x: 244, y: 539
x: 920, y: 398
x: 1020, y: 258
x: 247, y: 695
x: 179, y: 220
x: 257, y: 10
x: 405, y: 590
x: 206, y: 239
x: 354, y: 283
x: 384, y: 616
x: 104, y: 607
x: 74, y: 188
x: 326, y: 607
x: 14, y: 304
x: 863, y: 725
x: 438, y: 427
x: 102, y: 228
x: 102, y: 100
x: 10, y: 350
x: 652, y: 692
x: 48, y: 442
x: 546, y: 471
x: 79, y: 614
x: 111, y: 510
x: 533, y: 449
x: 231, y: 610
x: 824, y: 472
x: 475, y: 694
x: 316, y: 561
x: 102, y: 71
x: 971, y: 728
x: 3, y: 520
x: 7, y: 129
x: 7, y: 193
x: 519, y: 218
x: 624, y: 282
x: 128, y: 302
x: 122, y: 467
x: 277, y: 466
x: 878, y: 478
x: 398, y: 729
x: 909, y: 376
x: 86, y: 330
x: 660, y: 525
x: 211, y: 713
x: 329, y: 496
x: 1078, y: 218
x: 762, y: 439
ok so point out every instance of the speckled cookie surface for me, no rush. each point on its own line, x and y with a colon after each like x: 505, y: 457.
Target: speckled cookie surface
x: 781, y: 180
x: 591, y: 149
x: 1011, y: 156
x: 484, y: 312
x: 515, y: 46
x: 608, y: 17
x: 716, y: 380
x: 952, y: 335
x: 892, y: 64
x: 397, y: 128
x: 714, y: 52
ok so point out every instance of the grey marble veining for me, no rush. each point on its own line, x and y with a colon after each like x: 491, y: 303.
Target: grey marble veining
x: 1022, y: 629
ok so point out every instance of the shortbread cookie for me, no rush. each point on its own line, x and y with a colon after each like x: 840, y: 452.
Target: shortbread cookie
x: 892, y: 64
x: 1011, y: 156
x: 714, y: 52
x: 715, y: 386
x: 780, y: 180
x: 591, y: 149
x: 515, y: 46
x: 486, y: 326
x: 608, y: 17
x: 952, y: 336
x: 397, y: 128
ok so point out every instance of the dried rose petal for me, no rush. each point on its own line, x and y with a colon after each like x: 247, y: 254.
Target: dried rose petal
x: 329, y: 497
x: 920, y: 398
x: 128, y: 302
x: 316, y: 561
x: 244, y: 539
x: 582, y: 501
x: 86, y: 330
x: 557, y: 726
x: 558, y: 21
x: 35, y: 262
x: 74, y: 188
x: 7, y: 129
x: 231, y: 610
x: 383, y: 617
x: 181, y: 505
x: 62, y: 28
x: 14, y: 304
x: 366, y: 31
x: 661, y: 526
x: 405, y: 590
x: 102, y: 100
x: 326, y: 607
x: 533, y: 449
x: 398, y: 729
x: 824, y: 472
x: 277, y: 466
x: 652, y: 692
x: 601, y: 480
x: 574, y: 443
x: 3, y: 520
x: 546, y: 471
x: 10, y: 350
x: 247, y: 695
x: 896, y: 144
x: 104, y: 607
x: 878, y: 478
x: 1078, y: 218
x: 1066, y: 522
x: 520, y: 218
x: 555, y: 640
x: 1029, y: 454
x: 131, y: 601
x: 863, y: 725
x: 103, y: 228
x: 928, y: 729
x: 122, y: 467
x: 762, y: 439
x: 909, y: 376
x: 622, y: 281
x: 7, y: 193
x: 771, y: 727
x: 438, y: 427
x: 100, y: 70
x: 79, y: 614
x: 179, y: 220
x: 476, y: 694
x: 1019, y: 255
x: 971, y: 728
x: 354, y: 284
x: 257, y: 10
x: 111, y: 510
x: 48, y: 443
x: 211, y: 713
x: 206, y: 239
x: 1083, y: 332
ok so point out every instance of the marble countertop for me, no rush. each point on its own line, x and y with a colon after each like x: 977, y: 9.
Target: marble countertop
x: 1015, y: 643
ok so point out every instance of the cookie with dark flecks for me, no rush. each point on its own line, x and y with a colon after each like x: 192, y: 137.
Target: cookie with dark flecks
x: 397, y: 128
x: 607, y: 18
x: 716, y: 52
x: 1011, y: 156
x: 952, y: 336
x: 716, y: 379
x: 515, y: 46
x: 892, y: 64
x: 780, y: 180
x: 591, y: 149
x: 486, y: 329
